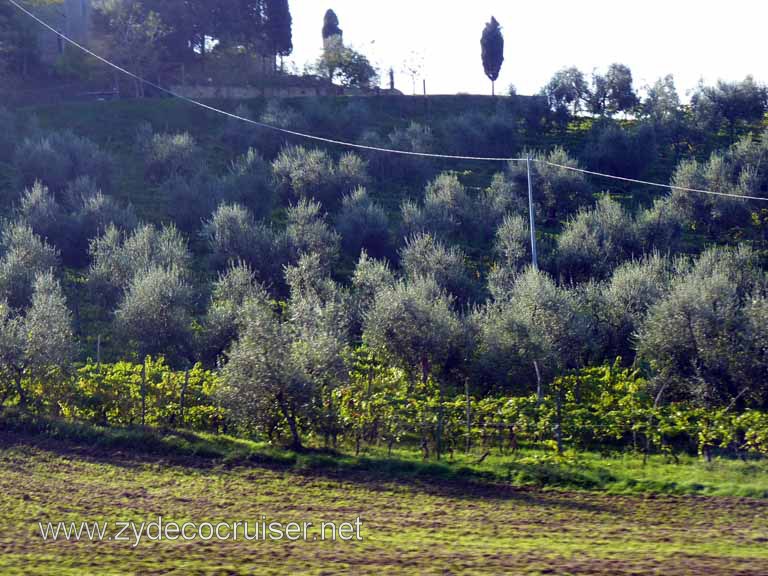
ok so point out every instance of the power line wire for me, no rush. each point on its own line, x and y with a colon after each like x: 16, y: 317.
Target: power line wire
x: 658, y: 185
x: 361, y: 146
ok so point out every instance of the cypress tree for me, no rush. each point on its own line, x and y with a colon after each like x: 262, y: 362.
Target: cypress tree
x: 492, y: 44
x: 278, y: 27
x: 331, y: 25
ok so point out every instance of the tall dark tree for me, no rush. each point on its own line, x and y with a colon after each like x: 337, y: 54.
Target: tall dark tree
x: 331, y: 25
x: 492, y: 43
x: 278, y: 27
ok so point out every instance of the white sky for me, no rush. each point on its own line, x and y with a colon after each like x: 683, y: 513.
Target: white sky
x: 688, y: 38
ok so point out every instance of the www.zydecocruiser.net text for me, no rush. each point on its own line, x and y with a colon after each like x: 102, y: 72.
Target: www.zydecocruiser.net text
x: 260, y: 530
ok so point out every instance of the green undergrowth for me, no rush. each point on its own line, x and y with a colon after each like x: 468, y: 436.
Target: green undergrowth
x: 625, y: 473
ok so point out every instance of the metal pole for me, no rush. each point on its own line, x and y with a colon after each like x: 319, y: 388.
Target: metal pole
x: 534, y: 256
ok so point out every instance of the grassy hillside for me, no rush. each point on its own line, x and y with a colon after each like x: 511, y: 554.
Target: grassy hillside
x: 113, y: 126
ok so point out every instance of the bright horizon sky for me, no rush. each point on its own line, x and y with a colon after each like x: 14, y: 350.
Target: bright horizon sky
x: 689, y: 39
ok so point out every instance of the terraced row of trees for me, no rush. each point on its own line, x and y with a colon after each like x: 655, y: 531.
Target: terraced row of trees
x: 327, y: 309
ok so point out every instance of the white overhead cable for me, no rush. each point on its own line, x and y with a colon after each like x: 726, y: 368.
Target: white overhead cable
x: 352, y: 144
x: 658, y: 185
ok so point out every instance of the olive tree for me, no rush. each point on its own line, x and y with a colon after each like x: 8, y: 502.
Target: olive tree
x: 557, y: 191
x: 363, y: 225
x: 594, y: 241
x: 24, y: 256
x: 309, y: 233
x: 413, y: 324
x: 232, y: 291
x: 369, y: 277
x: 118, y: 257
x: 447, y: 211
x: 423, y: 255
x: 696, y: 339
x: 233, y: 234
x: 319, y: 313
x: 539, y: 326
x: 262, y: 382
x: 58, y: 158
x: 633, y: 288
x: 37, y: 346
x: 154, y: 315
x: 285, y: 366
x: 307, y: 174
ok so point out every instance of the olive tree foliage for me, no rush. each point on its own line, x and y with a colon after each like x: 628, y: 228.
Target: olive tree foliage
x: 234, y: 235
x: 612, y: 92
x: 402, y: 168
x: 118, y: 258
x: 9, y: 132
x: 557, y: 192
x: 715, y: 213
x: 39, y: 209
x: 500, y: 199
x: 57, y: 158
x: 595, y: 241
x: 729, y: 105
x: 249, y: 181
x: 319, y: 311
x: 446, y: 211
x: 412, y: 322
x: 166, y: 155
x: 233, y: 290
x: 262, y: 382
x: 534, y: 333
x: 662, y: 102
x: 424, y: 255
x: 369, y: 277
x: 512, y: 248
x: 24, y: 256
x: 363, y: 225
x: 567, y: 91
x: 284, y: 367
x: 633, y: 288
x: 312, y: 174
x: 308, y: 232
x: 38, y: 345
x: 697, y: 339
x: 83, y: 213
x: 623, y: 152
x: 154, y: 315
x: 660, y: 226
x: 513, y: 241
x: 757, y: 325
